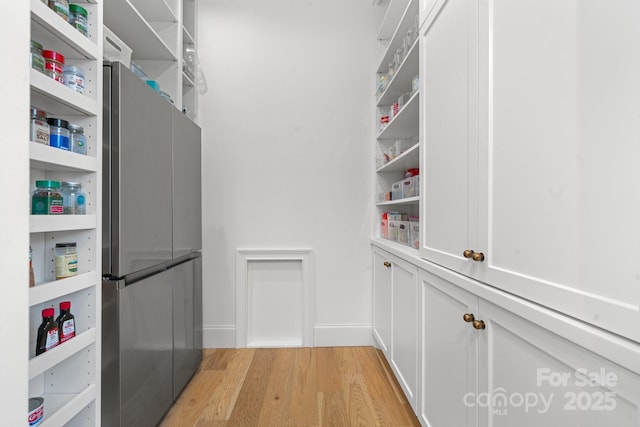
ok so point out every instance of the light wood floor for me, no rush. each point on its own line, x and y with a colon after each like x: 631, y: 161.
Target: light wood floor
x: 338, y: 386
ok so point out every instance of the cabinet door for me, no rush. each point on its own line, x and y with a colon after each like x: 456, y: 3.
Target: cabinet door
x: 449, y: 159
x: 382, y: 300
x: 449, y: 354
x: 559, y: 132
x: 529, y: 376
x: 404, y: 326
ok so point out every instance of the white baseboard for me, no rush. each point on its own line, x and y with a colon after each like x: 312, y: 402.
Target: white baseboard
x: 342, y: 335
x: 224, y: 336
x: 219, y: 336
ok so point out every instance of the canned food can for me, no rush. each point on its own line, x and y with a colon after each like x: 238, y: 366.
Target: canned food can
x: 36, y: 410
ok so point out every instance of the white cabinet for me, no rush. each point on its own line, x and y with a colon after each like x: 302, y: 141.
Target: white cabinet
x: 529, y: 136
x: 396, y: 317
x: 382, y: 300
x: 397, y: 98
x: 426, y: 8
x: 159, y: 32
x: 68, y: 376
x: 483, y: 365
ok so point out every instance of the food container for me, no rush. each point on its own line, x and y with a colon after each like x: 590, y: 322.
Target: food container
x: 409, y: 187
x: 73, y: 78
x: 396, y: 190
x: 53, y: 65
x: 37, y: 60
x: 78, y: 19
x: 66, y: 260
x: 77, y: 139
x: 36, y: 410
x: 61, y: 7
x: 47, y: 198
x: 39, y: 126
x: 59, y: 133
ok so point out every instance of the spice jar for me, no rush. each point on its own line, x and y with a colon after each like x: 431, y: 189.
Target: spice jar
x: 47, y: 199
x: 78, y: 19
x: 78, y: 141
x: 53, y: 65
x: 36, y: 59
x: 66, y: 258
x: 59, y: 133
x: 61, y: 7
x: 73, y: 198
x: 73, y: 78
x: 39, y: 126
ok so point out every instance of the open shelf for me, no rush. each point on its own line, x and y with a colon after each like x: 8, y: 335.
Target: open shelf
x: 405, y: 123
x: 45, y: 157
x: 49, y: 223
x: 60, y: 408
x: 59, y: 353
x: 47, y: 291
x: 53, y: 96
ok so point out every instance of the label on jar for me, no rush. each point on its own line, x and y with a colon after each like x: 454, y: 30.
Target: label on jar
x: 66, y: 265
x: 52, y: 339
x: 68, y: 330
x: 61, y: 7
x: 40, y: 133
x: 59, y: 141
x: 74, y: 82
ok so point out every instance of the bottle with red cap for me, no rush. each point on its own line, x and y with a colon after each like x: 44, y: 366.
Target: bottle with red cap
x: 66, y: 322
x: 47, y: 332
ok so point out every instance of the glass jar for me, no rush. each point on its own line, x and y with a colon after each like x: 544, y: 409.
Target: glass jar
x: 78, y: 19
x: 59, y: 133
x: 66, y: 260
x: 78, y: 141
x: 73, y: 78
x: 36, y: 59
x: 47, y: 199
x: 39, y: 126
x: 61, y: 7
x: 73, y: 198
x: 53, y: 65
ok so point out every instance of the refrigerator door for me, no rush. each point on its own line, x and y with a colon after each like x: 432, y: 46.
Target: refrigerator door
x: 187, y: 205
x: 137, y: 347
x: 187, y: 322
x: 137, y: 223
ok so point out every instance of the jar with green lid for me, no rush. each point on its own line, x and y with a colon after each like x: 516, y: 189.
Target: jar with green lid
x: 47, y: 198
x: 61, y: 7
x: 78, y: 19
x: 36, y: 59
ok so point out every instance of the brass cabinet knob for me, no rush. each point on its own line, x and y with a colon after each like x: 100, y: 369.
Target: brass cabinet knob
x: 479, y: 324
x: 468, y: 317
x: 467, y: 253
x: 387, y: 264
x: 478, y: 256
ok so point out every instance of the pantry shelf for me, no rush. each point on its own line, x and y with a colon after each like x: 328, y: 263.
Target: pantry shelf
x: 408, y: 19
x: 401, y: 80
x: 400, y: 202
x: 44, y: 157
x: 47, y: 291
x: 54, y: 97
x: 395, y: 9
x: 49, y: 359
x: 48, y: 23
x: 405, y: 124
x: 61, y: 408
x: 404, y: 161
x: 49, y: 223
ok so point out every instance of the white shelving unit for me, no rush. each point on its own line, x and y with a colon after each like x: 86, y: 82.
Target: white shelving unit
x: 395, y: 19
x: 68, y: 376
x: 158, y: 32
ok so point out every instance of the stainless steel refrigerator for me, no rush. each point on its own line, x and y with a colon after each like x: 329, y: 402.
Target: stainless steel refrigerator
x: 152, y: 280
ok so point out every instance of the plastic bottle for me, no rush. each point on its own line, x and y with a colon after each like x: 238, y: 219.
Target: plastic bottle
x: 77, y: 140
x: 47, y: 332
x: 73, y: 198
x: 66, y: 322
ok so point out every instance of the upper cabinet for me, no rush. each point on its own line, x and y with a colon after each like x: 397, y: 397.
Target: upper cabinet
x: 161, y: 35
x: 530, y: 146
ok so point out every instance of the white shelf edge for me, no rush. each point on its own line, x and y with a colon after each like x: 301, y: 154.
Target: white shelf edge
x: 391, y: 19
x: 187, y: 37
x: 57, y: 288
x: 46, y: 157
x: 405, y: 201
x: 405, y: 23
x: 390, y: 166
x: 52, y: 89
x: 64, y: 412
x: 50, y: 223
x: 53, y: 23
x: 51, y: 358
x: 396, y: 247
x: 410, y: 61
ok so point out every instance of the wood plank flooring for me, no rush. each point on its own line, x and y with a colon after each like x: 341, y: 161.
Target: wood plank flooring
x: 302, y: 387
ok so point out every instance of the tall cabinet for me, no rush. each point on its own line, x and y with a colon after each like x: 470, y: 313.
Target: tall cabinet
x: 68, y: 376
x: 160, y: 33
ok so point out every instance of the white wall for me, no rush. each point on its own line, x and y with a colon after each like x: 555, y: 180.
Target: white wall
x: 288, y: 152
